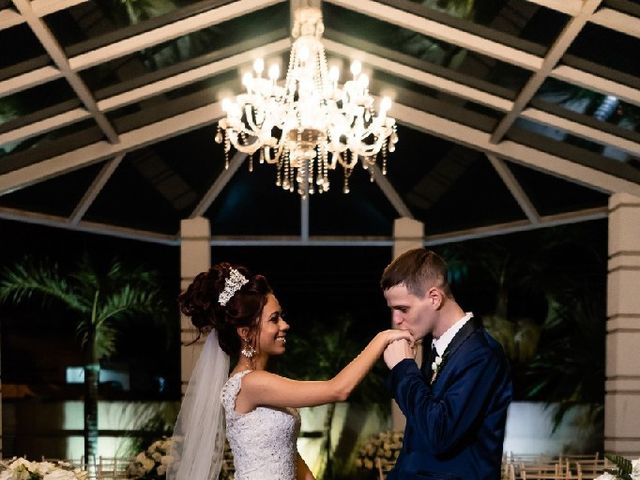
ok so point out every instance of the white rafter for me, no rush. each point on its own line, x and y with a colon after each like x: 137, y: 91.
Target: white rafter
x: 149, y: 90
x: 323, y: 241
x: 190, y: 76
x: 44, y: 126
x: 570, y: 7
x: 605, y: 17
x: 94, y: 189
x: 379, y: 63
x: 84, y: 226
x: 555, y: 53
x: 419, y: 76
x: 481, y: 97
x: 219, y: 184
x: 28, y: 80
x: 45, y: 7
x: 598, y: 84
x: 621, y: 22
x: 581, y: 130
x: 410, y: 116
x: 167, y: 32
x: 489, y: 48
x: 513, y: 151
x: 443, y: 32
x: 390, y: 192
x: 518, y: 226
x: 9, y: 18
x: 100, y: 151
x: 55, y: 51
x: 515, y: 188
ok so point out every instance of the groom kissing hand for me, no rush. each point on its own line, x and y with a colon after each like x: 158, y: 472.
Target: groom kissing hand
x: 456, y: 403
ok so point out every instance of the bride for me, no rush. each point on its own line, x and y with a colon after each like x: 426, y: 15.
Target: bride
x: 244, y: 319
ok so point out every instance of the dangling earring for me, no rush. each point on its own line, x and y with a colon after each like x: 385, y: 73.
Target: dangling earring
x: 248, y: 350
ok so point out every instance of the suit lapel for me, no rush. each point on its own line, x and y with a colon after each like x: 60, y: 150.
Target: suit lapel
x: 465, y: 332
x: 469, y: 328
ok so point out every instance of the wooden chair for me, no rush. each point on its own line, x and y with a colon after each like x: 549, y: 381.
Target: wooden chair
x: 112, y: 468
x: 540, y: 471
x: 542, y: 476
x: 531, y: 458
x: 590, y: 469
x: 509, y: 472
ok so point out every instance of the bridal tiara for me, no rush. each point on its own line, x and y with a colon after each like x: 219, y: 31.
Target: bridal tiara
x: 232, y: 284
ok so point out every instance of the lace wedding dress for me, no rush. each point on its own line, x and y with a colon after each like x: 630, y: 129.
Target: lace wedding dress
x: 263, y: 441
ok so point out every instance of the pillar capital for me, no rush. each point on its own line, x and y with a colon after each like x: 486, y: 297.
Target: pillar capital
x: 407, y: 235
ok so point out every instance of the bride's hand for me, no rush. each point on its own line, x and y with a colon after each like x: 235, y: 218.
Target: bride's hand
x: 393, y: 335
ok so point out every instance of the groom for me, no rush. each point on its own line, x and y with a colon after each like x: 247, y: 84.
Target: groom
x: 456, y: 404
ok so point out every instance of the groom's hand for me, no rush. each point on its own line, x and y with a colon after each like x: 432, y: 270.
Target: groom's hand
x: 398, y: 351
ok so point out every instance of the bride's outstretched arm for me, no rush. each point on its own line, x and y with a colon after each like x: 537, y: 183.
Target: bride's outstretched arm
x: 302, y: 470
x: 267, y: 389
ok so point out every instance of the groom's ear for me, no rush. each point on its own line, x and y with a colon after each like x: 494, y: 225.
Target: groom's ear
x: 435, y: 297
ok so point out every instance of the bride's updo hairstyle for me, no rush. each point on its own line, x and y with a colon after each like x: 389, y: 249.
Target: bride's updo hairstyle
x: 200, y: 302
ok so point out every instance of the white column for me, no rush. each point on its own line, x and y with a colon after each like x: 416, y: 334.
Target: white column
x: 622, y: 387
x: 407, y: 235
x: 195, y: 257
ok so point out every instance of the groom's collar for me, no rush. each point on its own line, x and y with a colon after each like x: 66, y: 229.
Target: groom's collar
x: 441, y: 344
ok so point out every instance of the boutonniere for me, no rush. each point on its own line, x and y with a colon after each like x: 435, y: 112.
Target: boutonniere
x: 436, y: 366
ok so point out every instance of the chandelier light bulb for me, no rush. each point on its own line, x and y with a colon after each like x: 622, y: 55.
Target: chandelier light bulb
x: 247, y: 80
x: 334, y: 74
x: 274, y: 72
x: 356, y: 68
x: 226, y: 105
x: 258, y: 66
x: 385, y: 104
x: 364, y: 80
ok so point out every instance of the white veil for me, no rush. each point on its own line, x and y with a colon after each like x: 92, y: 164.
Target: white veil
x: 199, y: 433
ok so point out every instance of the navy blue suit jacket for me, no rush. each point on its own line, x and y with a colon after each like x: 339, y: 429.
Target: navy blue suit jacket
x: 455, y: 426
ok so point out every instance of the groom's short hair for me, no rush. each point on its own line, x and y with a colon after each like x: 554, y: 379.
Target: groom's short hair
x: 418, y: 270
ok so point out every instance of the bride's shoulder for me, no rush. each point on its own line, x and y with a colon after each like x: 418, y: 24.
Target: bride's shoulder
x: 259, y: 378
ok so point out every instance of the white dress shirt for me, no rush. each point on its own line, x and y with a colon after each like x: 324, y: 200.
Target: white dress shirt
x: 443, y: 342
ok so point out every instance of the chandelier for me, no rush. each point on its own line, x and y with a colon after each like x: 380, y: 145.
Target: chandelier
x: 309, y: 124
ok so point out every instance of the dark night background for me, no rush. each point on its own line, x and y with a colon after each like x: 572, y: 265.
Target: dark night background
x: 314, y: 284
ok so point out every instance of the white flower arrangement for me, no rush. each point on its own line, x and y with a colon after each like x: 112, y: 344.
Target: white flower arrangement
x: 152, y: 463
x: 384, y: 446
x: 23, y: 469
x: 625, y: 469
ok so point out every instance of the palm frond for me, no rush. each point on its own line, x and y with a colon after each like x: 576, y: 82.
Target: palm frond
x: 128, y: 300
x: 86, y: 277
x: 569, y: 367
x: 26, y: 279
x: 118, y: 273
x: 104, y: 343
